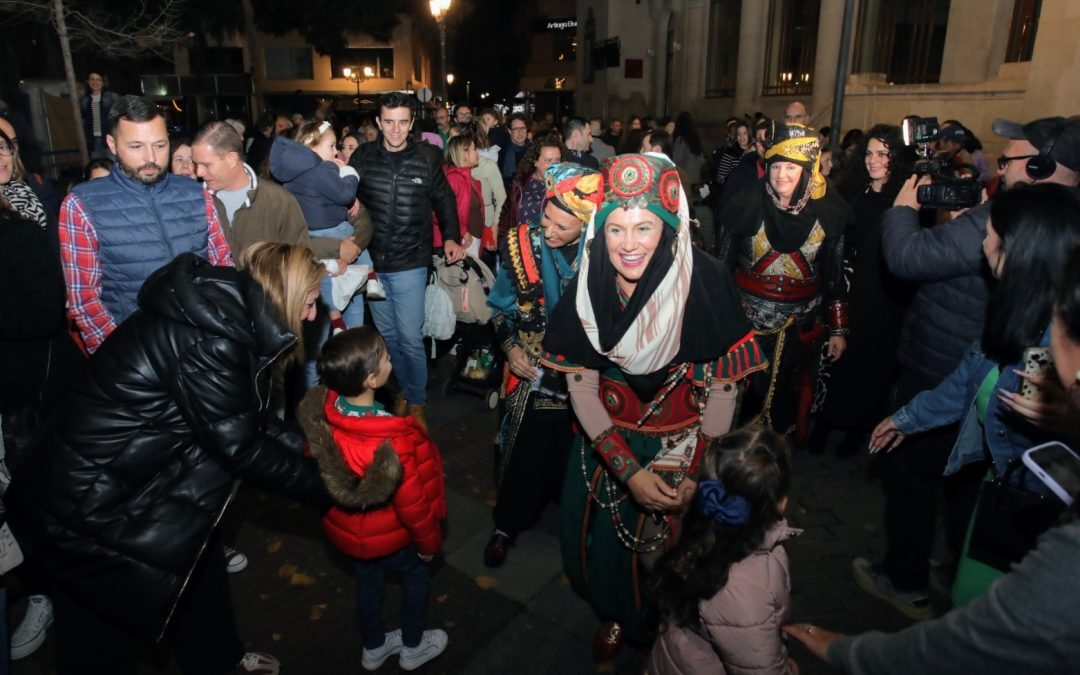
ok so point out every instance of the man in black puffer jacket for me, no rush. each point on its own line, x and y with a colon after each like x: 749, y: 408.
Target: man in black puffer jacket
x: 401, y: 181
x: 119, y: 505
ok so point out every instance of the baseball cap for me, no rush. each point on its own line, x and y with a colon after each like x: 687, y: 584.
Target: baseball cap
x: 1064, y: 133
x: 954, y: 133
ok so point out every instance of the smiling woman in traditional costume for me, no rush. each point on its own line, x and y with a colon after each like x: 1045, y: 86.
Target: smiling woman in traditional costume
x: 535, y: 434
x: 653, y: 340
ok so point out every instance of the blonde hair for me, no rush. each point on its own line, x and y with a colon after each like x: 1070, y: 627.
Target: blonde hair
x: 287, y: 274
x: 456, y: 147
x: 309, y: 133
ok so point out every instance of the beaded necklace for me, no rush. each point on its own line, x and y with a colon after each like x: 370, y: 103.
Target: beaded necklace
x: 609, y: 487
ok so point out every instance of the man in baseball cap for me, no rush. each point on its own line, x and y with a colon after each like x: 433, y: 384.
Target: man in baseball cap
x: 1045, y: 150
x: 945, y: 317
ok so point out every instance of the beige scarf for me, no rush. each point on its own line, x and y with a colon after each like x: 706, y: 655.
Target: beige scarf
x: 653, y: 340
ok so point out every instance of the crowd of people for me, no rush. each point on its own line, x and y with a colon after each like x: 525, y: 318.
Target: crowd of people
x: 673, y: 327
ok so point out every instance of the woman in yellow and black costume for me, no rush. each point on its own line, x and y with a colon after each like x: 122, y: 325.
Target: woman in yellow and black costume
x: 784, y: 240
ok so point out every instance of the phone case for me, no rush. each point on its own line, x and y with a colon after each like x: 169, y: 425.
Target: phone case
x: 1031, y: 463
x: 1037, y: 360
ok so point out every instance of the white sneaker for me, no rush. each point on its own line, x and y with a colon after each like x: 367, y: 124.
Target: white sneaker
x: 258, y: 663
x: 5, y: 474
x: 373, y: 658
x: 374, y: 289
x: 31, y: 631
x: 235, y: 561
x: 431, y: 645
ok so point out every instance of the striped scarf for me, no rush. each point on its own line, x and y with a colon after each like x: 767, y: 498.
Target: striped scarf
x: 25, y: 202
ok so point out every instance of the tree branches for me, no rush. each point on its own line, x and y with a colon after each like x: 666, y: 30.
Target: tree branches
x: 117, y: 29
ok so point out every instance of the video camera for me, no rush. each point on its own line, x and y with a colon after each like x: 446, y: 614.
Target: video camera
x: 948, y: 190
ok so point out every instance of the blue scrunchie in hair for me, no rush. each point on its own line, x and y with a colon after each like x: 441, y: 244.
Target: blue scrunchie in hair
x: 724, y: 508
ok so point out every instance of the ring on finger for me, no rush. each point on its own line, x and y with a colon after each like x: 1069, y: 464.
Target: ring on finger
x: 809, y: 629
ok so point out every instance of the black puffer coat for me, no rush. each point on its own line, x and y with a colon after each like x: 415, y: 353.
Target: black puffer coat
x: 118, y: 503
x: 400, y: 195
x: 947, y: 313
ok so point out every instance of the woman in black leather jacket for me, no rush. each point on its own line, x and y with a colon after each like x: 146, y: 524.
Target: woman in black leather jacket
x: 120, y: 504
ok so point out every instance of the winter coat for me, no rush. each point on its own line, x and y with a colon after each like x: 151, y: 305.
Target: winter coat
x: 739, y: 630
x: 37, y: 356
x: 108, y: 100
x: 400, y: 193
x: 947, y: 312
x: 118, y: 503
x: 140, y: 228
x: 1025, y: 623
x: 492, y: 190
x: 526, y: 195
x: 348, y: 448
x: 323, y: 189
x: 468, y: 199
x: 510, y: 156
x: 270, y: 214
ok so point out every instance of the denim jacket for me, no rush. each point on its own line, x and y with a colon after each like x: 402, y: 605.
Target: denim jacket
x: 1005, y: 433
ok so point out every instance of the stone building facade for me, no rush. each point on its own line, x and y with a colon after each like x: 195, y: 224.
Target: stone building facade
x: 972, y: 60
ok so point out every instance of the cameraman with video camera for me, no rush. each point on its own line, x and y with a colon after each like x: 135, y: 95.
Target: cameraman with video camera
x: 945, y: 318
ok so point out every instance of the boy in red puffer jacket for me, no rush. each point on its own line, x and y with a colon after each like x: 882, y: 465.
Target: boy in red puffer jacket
x: 351, y: 435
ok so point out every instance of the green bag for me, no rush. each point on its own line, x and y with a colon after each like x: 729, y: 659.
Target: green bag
x: 1008, y: 520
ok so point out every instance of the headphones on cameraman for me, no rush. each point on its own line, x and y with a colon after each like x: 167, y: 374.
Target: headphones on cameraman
x: 1041, y: 166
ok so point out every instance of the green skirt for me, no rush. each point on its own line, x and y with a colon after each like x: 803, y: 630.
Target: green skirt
x: 609, y: 575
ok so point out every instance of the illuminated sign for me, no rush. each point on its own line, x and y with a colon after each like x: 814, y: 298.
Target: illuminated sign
x: 562, y: 24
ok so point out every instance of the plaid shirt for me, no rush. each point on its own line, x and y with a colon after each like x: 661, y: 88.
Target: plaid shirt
x: 82, y: 269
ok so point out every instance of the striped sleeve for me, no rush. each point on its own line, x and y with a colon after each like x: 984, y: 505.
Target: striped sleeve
x: 742, y: 359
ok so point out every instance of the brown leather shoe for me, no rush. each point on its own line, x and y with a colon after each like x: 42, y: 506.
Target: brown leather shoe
x: 417, y: 413
x: 399, y: 408
x: 495, y: 551
x: 608, y: 642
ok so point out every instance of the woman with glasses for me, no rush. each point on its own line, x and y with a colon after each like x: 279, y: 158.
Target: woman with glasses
x: 13, y: 186
x: 527, y: 188
x: 510, y: 157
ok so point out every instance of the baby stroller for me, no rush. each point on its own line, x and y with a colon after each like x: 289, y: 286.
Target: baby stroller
x: 478, y: 364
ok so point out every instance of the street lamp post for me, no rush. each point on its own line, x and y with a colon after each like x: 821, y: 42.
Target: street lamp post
x: 356, y: 75
x: 439, y: 8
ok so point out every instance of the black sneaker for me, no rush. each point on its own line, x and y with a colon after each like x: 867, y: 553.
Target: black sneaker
x: 872, y: 579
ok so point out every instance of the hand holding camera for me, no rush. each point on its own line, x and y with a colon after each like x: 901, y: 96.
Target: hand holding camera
x: 951, y: 186
x: 908, y: 195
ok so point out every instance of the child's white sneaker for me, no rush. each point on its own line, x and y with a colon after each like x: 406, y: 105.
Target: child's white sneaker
x: 374, y: 289
x: 373, y: 658
x: 431, y: 645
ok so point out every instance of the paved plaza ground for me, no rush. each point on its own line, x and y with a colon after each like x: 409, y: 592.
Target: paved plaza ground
x: 295, y: 600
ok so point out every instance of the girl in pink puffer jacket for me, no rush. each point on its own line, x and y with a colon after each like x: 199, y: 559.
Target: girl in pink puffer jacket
x: 723, y: 590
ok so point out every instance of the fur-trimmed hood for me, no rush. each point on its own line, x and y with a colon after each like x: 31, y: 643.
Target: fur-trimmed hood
x: 349, y: 490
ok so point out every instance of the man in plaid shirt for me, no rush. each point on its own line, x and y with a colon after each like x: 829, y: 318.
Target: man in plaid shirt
x: 115, y: 231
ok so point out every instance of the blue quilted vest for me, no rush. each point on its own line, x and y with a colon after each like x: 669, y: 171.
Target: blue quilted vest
x: 139, y: 229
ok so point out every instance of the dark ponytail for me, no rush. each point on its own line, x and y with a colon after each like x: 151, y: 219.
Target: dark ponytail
x: 751, y: 464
